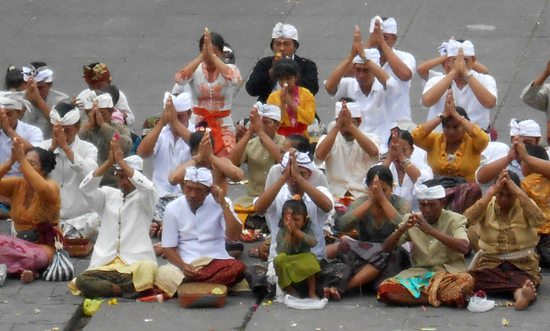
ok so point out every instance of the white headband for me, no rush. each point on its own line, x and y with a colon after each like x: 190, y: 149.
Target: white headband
x: 70, y: 118
x: 423, y: 192
x: 133, y: 161
x: 302, y: 159
x: 201, y: 175
x: 454, y: 46
x: 14, y: 100
x: 353, y: 107
x: 371, y: 54
x: 387, y: 26
x: 43, y: 74
x: 284, y: 31
x: 104, y: 101
x: 182, y: 102
x: 270, y: 111
x: 443, y: 48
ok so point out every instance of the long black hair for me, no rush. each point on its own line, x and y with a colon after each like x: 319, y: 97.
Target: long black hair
x: 47, y: 159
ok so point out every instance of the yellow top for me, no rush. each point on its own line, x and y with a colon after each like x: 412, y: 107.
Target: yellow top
x: 537, y: 187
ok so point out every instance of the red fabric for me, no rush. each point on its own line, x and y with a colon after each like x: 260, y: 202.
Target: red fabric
x: 299, y: 128
x: 504, y: 278
x: 226, y: 272
x: 212, y: 117
x: 20, y: 255
x: 391, y: 288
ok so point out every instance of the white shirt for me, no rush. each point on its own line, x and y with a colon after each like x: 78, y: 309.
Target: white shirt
x: 69, y: 175
x: 122, y: 105
x: 125, y: 220
x: 30, y: 133
x: 400, y: 104
x: 466, y: 99
x: 377, y: 117
x: 167, y: 155
x: 36, y: 117
x: 317, y: 217
x: 199, y: 234
x: 494, y: 151
x: 347, y: 165
x: 405, y: 190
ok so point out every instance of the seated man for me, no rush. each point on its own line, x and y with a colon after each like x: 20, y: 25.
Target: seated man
x: 347, y: 152
x: 75, y: 159
x: 123, y: 262
x: 507, y: 261
x: 193, y: 240
x: 439, y: 238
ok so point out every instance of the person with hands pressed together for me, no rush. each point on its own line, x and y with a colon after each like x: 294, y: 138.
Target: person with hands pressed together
x: 537, y: 94
x: 456, y: 151
x: 35, y: 205
x: 507, y: 261
x: 196, y: 226
x: 440, y: 241
x: 123, y: 262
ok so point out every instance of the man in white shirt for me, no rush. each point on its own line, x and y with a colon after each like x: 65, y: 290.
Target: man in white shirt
x: 75, y: 159
x: 123, y: 262
x: 371, y: 87
x: 537, y: 95
x: 473, y: 91
x: 195, y: 228
x: 168, y: 143
x: 347, y: 152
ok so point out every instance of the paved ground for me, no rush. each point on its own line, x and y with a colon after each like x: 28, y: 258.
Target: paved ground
x: 144, y: 42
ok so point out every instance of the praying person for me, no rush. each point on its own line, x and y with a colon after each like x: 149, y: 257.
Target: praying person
x: 536, y: 95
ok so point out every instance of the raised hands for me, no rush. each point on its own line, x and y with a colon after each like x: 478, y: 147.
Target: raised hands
x: 460, y: 64
x: 31, y: 91
x: 17, y: 151
x: 256, y: 125
x: 218, y: 194
x: 205, y: 147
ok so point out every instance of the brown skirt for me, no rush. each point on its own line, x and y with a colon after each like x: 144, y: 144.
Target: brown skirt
x: 504, y: 278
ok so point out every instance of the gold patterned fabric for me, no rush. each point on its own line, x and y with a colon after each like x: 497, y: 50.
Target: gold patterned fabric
x: 537, y: 188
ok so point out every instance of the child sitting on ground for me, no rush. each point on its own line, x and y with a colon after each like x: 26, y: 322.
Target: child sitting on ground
x: 294, y: 262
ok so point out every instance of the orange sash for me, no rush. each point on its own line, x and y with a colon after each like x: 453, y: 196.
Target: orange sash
x: 212, y: 117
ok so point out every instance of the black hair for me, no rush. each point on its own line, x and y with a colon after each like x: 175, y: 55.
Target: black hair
x: 300, y: 143
x: 14, y: 78
x: 432, y: 182
x: 347, y: 99
x: 285, y: 68
x: 536, y: 151
x: 195, y: 140
x: 217, y: 41
x: 296, y: 44
x: 514, y: 177
x: 47, y: 159
x: 460, y: 112
x: 297, y: 207
x: 113, y: 91
x: 64, y: 106
x: 405, y: 135
x: 38, y: 64
x: 383, y: 172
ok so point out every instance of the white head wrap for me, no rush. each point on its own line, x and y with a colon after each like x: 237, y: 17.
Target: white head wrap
x: 269, y: 111
x: 387, y: 26
x: 302, y: 159
x: 284, y: 31
x: 14, y: 100
x: 529, y: 128
x: 182, y: 102
x: 454, y: 46
x: 44, y: 74
x: 514, y: 127
x: 104, y: 101
x: 353, y: 107
x: 424, y: 192
x: 201, y: 175
x: 443, y: 48
x: 133, y: 161
x: 87, y: 100
x: 371, y: 54
x: 70, y: 118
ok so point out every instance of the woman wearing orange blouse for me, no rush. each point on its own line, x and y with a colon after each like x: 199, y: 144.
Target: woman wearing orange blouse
x: 457, y: 151
x: 35, y: 204
x: 297, y: 103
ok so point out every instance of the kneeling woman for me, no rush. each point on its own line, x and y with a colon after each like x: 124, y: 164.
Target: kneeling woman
x: 35, y: 204
x: 375, y: 216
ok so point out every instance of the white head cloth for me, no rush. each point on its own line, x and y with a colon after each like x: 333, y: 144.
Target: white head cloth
x: 45, y: 74
x: 87, y: 101
x: 70, y: 118
x: 201, y: 175
x: 182, y: 102
x: 302, y: 159
x: 104, y: 101
x: 353, y: 107
x: 443, y: 48
x: 529, y: 128
x: 387, y: 26
x: 284, y: 31
x: 270, y: 111
x: 454, y: 46
x: 133, y: 161
x: 424, y: 192
x: 371, y: 54
x: 14, y: 100
x: 514, y: 127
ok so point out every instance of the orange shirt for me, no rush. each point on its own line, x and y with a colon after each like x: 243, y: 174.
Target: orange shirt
x: 305, y: 114
x: 537, y: 187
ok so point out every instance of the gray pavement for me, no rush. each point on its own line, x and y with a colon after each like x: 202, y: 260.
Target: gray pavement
x: 145, y: 42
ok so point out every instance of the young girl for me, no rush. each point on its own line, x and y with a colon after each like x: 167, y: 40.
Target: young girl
x: 294, y: 262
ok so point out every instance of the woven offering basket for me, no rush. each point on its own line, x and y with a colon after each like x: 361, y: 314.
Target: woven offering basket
x: 202, y: 295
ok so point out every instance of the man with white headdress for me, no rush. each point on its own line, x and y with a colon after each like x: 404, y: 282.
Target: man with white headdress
x: 398, y: 64
x: 473, y: 91
x: 123, y: 262
x: 39, y: 78
x: 196, y: 226
x: 438, y: 276
x: 168, y: 143
x: 100, y: 129
x: 260, y: 148
x: 348, y: 153
x: 371, y: 87
x: 11, y: 106
x: 284, y: 43
x: 75, y: 159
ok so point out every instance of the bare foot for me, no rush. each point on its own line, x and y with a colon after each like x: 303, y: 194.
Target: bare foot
x: 27, y: 276
x: 331, y: 293
x: 525, y: 295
